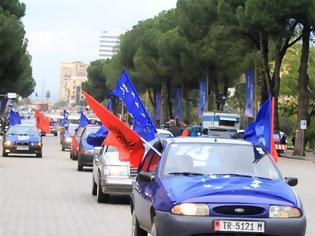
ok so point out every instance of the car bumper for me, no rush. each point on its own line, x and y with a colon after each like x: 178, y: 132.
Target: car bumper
x: 169, y: 224
x: 86, y: 159
x: 31, y: 150
x: 117, y: 186
x: 66, y: 145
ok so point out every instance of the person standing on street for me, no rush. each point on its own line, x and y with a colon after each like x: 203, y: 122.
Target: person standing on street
x: 175, y: 130
x: 186, y: 128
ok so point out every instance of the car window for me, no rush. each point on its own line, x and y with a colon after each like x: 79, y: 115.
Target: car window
x: 111, y: 149
x: 79, y: 132
x: 146, y: 162
x: 154, y: 162
x: 151, y: 159
x: 90, y: 130
x: 211, y: 159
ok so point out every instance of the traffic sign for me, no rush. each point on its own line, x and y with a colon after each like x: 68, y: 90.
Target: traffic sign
x: 303, y: 124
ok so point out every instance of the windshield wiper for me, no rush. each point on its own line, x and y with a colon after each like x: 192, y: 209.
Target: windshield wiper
x: 237, y: 175
x: 185, y: 173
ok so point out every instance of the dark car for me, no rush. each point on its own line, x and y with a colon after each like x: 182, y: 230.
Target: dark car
x: 22, y: 139
x: 211, y: 186
x: 66, y: 136
x: 85, y: 150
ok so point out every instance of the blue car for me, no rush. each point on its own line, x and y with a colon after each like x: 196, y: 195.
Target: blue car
x: 210, y: 186
x: 85, y: 150
x: 22, y: 139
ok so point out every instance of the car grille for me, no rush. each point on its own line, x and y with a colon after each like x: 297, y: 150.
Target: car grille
x: 22, y: 143
x: 133, y: 172
x: 239, y: 210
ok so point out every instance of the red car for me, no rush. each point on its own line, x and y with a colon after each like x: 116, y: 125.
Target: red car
x: 75, y: 143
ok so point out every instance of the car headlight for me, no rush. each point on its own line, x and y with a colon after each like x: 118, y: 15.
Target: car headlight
x: 7, y: 143
x: 118, y: 170
x: 36, y: 144
x: 68, y: 139
x: 191, y: 209
x: 284, y: 212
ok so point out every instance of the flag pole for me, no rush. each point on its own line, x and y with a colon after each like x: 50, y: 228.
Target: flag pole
x: 151, y: 146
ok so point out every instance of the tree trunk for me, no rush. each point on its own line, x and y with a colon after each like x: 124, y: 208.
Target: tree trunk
x: 276, y: 84
x: 169, y: 95
x: 265, y: 61
x: 164, y: 101
x: 303, y: 100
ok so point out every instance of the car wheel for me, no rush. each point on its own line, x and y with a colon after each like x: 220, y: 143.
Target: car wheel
x: 154, y: 231
x: 39, y: 154
x: 80, y: 166
x: 101, y: 197
x: 55, y: 134
x: 135, y: 227
x: 94, y: 187
x: 4, y: 154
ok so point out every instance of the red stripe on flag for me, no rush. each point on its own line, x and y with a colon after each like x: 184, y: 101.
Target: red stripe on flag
x: 274, y: 152
x: 127, y: 141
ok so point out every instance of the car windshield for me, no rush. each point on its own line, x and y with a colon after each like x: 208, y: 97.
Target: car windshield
x: 219, y: 159
x: 90, y: 130
x: 71, y: 129
x: 23, y: 130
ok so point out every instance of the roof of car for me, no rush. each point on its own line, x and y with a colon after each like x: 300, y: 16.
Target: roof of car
x: 206, y: 140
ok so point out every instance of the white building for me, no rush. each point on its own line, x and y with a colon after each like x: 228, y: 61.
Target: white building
x: 109, y: 43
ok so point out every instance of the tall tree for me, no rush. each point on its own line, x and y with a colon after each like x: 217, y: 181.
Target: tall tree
x: 15, y: 62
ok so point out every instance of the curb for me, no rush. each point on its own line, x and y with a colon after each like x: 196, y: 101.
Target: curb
x: 303, y: 158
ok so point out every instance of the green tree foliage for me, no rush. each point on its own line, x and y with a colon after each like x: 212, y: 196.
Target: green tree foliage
x: 96, y: 83
x: 15, y: 62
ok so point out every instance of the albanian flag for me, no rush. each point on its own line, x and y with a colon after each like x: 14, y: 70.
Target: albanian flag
x: 42, y: 122
x: 127, y: 141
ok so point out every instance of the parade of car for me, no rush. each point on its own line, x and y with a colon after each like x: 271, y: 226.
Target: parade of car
x: 212, y: 186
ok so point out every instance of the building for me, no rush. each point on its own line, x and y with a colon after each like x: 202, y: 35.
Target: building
x: 109, y: 43
x: 72, y: 75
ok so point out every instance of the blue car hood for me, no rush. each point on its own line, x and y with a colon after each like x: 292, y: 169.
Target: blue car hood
x: 22, y: 138
x: 229, y: 189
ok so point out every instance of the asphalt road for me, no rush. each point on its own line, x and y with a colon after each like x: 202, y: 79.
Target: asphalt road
x: 48, y: 197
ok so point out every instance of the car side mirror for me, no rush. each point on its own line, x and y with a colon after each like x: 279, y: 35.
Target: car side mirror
x: 291, y: 181
x: 97, y: 151
x: 146, y: 177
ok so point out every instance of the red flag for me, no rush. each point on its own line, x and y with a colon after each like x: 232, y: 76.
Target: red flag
x: 274, y: 152
x: 42, y: 122
x: 127, y: 141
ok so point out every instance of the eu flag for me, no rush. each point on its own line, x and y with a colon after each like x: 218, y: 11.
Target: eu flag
x: 143, y: 124
x: 14, y: 118
x: 84, y: 121
x: 65, y: 120
x: 261, y: 130
x: 96, y: 139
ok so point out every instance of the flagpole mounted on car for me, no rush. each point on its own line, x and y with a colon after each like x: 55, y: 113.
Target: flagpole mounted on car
x: 151, y: 146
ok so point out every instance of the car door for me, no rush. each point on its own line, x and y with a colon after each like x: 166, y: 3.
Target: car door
x: 145, y: 193
x: 97, y: 163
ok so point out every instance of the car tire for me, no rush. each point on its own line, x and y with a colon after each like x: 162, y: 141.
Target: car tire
x: 94, y: 187
x: 39, y: 154
x: 4, y: 154
x: 80, y: 166
x: 154, y: 231
x: 55, y: 134
x: 135, y: 227
x: 101, y: 197
x: 62, y: 148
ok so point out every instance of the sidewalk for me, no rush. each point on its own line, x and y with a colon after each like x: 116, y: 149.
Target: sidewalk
x: 309, y: 155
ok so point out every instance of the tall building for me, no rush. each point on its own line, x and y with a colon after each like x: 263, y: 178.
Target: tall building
x: 72, y: 75
x: 109, y: 43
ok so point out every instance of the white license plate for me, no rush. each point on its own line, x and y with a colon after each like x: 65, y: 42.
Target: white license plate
x: 239, y: 226
x: 22, y: 148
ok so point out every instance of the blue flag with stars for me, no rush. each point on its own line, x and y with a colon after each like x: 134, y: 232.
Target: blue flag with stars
x: 84, y: 121
x: 126, y: 92
x: 14, y: 118
x: 65, y: 120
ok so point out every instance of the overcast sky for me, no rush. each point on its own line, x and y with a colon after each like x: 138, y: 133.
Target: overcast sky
x: 68, y: 30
